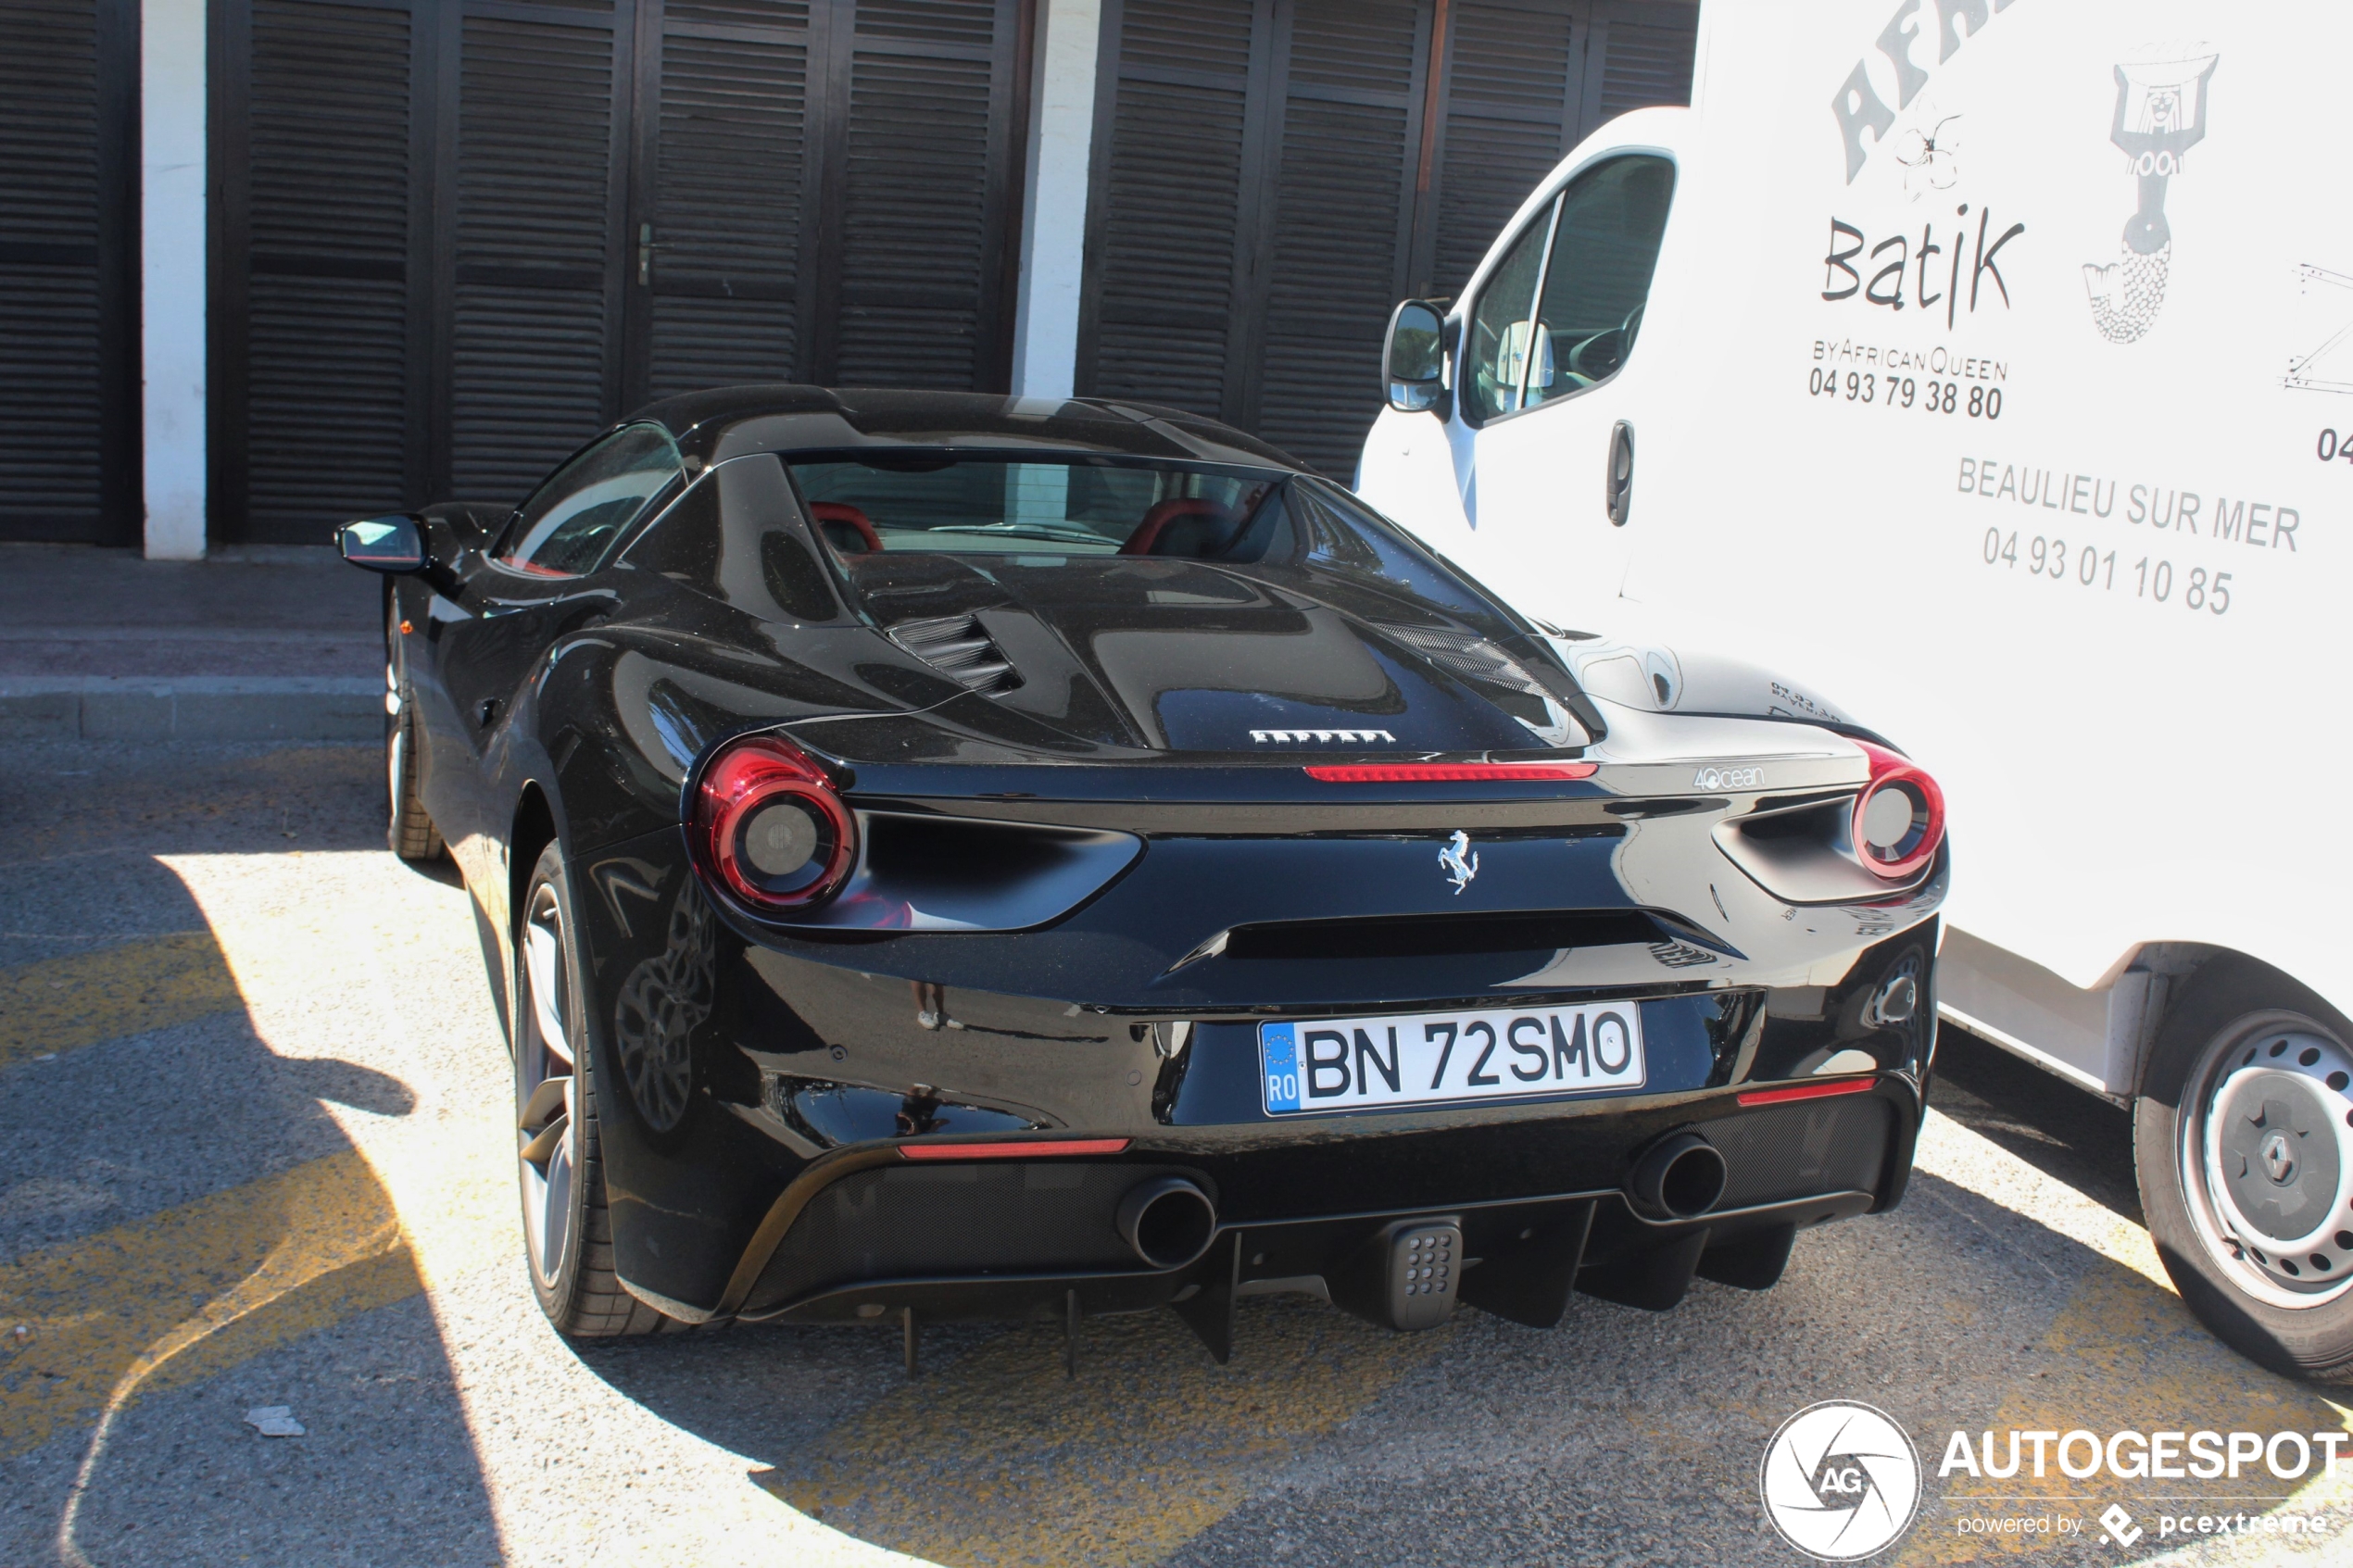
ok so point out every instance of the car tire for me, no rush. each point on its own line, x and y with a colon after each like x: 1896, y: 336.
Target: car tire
x: 2234, y: 1043
x: 567, y: 1230
x: 409, y: 833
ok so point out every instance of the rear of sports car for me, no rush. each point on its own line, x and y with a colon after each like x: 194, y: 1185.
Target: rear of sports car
x: 1364, y: 956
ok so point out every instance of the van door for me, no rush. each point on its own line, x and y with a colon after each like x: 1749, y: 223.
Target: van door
x: 1543, y: 378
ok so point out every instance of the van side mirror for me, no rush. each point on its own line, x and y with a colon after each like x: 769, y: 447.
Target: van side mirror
x: 1413, y: 359
x: 395, y: 544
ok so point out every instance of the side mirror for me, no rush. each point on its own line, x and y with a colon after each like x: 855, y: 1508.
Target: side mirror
x: 1413, y: 359
x: 392, y: 544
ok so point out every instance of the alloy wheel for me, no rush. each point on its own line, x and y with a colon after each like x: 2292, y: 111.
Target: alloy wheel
x: 548, y: 1130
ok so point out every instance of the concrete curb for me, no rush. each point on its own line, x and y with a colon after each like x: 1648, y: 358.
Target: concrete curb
x: 215, y: 707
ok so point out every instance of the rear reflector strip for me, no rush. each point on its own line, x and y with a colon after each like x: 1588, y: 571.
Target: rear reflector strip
x: 1449, y: 773
x: 1807, y: 1091
x: 1028, y: 1149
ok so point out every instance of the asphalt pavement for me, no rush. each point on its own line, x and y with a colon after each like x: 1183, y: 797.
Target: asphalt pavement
x: 253, y: 1157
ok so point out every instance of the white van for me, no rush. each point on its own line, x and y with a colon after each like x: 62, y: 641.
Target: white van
x: 1989, y: 366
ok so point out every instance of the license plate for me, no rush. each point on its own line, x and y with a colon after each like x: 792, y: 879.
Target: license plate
x: 1355, y: 1063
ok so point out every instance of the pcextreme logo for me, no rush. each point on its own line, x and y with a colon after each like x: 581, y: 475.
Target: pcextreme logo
x: 1840, y: 1480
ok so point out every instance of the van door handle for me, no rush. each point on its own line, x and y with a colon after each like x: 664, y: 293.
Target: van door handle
x: 1618, y: 495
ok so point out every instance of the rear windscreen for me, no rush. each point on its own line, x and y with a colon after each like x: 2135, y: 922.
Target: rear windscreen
x: 988, y: 505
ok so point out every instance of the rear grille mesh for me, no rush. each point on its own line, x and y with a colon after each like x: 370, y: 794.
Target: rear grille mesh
x: 959, y: 646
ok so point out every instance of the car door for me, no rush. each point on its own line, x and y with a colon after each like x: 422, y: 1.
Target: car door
x: 489, y: 636
x: 1548, y: 382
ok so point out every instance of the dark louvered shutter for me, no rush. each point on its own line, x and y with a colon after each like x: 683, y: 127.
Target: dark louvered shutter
x: 1171, y: 201
x: 829, y: 192
x: 1270, y: 176
x: 727, y: 289
x: 1646, y: 57
x: 1513, y: 76
x: 1342, y: 221
x: 927, y: 165
x: 534, y: 308
x: 323, y: 194
x: 68, y: 464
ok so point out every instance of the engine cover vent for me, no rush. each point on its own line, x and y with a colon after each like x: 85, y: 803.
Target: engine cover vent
x: 959, y: 646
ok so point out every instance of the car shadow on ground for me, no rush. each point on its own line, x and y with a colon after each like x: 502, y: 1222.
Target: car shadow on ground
x: 2063, y: 1131
x: 186, y: 1233
x: 1955, y: 1312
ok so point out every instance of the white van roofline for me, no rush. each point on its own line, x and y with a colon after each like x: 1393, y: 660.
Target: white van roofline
x: 1657, y: 131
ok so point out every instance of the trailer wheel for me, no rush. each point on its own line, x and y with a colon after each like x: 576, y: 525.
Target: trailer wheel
x: 2243, y: 1143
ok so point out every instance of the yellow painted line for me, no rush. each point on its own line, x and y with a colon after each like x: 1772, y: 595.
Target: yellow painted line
x: 63, y: 1004
x: 2123, y: 1356
x: 998, y: 1458
x: 449, y: 1164
x: 2123, y: 1353
x: 176, y: 1297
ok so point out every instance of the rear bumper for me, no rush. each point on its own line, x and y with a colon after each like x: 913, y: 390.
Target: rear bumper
x: 813, y: 1063
x: 864, y: 1232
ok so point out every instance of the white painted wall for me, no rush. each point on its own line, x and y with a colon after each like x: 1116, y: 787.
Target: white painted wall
x: 1054, y: 201
x: 171, y: 272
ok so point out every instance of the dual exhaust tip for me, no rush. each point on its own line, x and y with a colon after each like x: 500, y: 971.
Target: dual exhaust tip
x: 1679, y: 1177
x: 1169, y: 1221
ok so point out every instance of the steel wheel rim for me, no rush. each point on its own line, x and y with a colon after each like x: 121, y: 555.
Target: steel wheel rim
x: 548, y: 1133
x: 2254, y: 1262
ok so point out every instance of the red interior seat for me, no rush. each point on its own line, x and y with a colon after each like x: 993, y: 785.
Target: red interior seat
x: 1145, y: 541
x: 845, y: 527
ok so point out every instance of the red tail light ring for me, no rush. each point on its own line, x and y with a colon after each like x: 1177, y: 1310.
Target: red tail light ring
x: 1899, y: 818
x: 771, y: 826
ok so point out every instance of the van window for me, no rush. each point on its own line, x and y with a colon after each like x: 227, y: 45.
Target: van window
x: 1497, y: 343
x: 1604, y: 248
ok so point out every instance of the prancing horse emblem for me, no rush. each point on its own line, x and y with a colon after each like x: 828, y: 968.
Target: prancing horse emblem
x: 1458, y: 862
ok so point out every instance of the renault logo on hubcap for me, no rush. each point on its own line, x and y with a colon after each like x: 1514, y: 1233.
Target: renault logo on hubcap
x: 2279, y: 1158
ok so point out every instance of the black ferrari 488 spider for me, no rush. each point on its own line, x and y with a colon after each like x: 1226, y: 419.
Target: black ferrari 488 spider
x: 948, y: 855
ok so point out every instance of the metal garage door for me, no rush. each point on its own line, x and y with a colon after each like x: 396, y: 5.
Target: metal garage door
x: 459, y: 235
x: 1271, y: 176
x: 68, y: 317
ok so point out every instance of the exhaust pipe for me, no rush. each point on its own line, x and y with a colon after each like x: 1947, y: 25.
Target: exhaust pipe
x: 1168, y: 1221
x: 1680, y: 1176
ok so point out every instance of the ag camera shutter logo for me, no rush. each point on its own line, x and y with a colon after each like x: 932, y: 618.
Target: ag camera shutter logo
x: 1840, y: 1481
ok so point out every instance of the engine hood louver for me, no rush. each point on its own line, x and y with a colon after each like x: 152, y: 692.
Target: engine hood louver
x: 960, y: 647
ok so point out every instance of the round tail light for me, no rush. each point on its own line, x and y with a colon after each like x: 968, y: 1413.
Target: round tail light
x: 771, y: 826
x: 1899, y: 818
